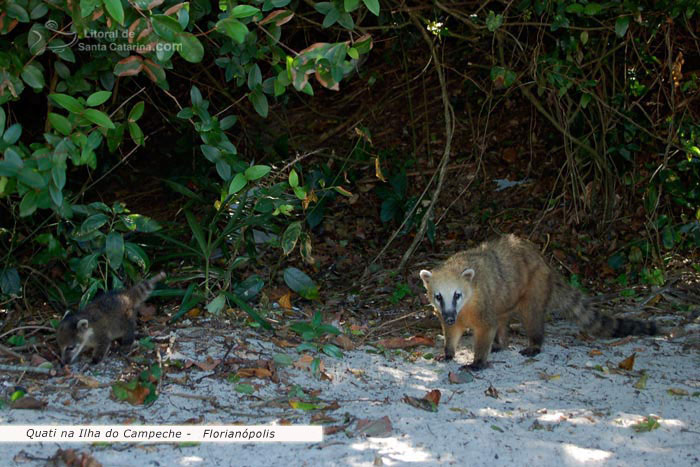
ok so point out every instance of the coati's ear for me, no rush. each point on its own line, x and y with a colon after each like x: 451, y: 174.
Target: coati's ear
x: 468, y: 274
x: 65, y: 314
x: 83, y: 324
x: 425, y: 275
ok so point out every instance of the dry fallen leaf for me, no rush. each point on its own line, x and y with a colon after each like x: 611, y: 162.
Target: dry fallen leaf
x: 194, y: 312
x: 380, y: 428
x: 208, y: 365
x: 595, y: 353
x: 285, y: 301
x: 460, y: 377
x: 28, y: 402
x: 146, y: 312
x: 344, y: 342
x: 627, y: 363
x: 70, y: 458
x: 433, y: 396
x: 87, y: 381
x: 254, y: 373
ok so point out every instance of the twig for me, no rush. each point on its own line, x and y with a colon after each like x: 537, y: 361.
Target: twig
x: 29, y: 369
x: 11, y: 331
x: 11, y: 352
x: 449, y: 130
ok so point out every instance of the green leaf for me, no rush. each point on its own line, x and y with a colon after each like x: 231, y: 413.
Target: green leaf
x: 282, y: 359
x: 56, y: 195
x: 9, y: 281
x: 493, y: 21
x: 332, y: 351
x: 28, y: 204
x: 584, y: 37
x: 115, y: 10
x: 592, y: 9
x: 98, y: 98
x: 3, y: 119
x: 136, y: 134
x: 585, y: 99
x: 69, y: 103
x: 247, y: 308
x: 293, y: 179
x: 244, y: 11
x: 244, y: 388
x: 351, y: 5
x: 141, y: 223
x: 257, y: 171
x: 136, y: 111
x: 372, y: 5
x: 98, y: 118
x: 353, y: 53
x: 91, y: 224
x: 32, y: 178
x: 290, y: 237
x: 331, y: 17
x: 191, y: 49
x: 197, y: 232
x: 299, y: 282
x: 32, y: 75
x: 621, y: 25
x: 259, y: 101
x: 254, y: 77
x: 12, y: 134
x: 16, y: 11
x: 237, y: 184
x: 227, y: 122
x: 574, y: 8
x: 166, y: 27
x: 60, y: 123
x: 86, y: 265
x: 114, y: 249
x: 136, y: 255
x: 215, y: 306
x: 233, y: 29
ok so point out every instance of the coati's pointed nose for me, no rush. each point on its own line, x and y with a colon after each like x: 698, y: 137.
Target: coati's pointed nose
x: 450, y: 320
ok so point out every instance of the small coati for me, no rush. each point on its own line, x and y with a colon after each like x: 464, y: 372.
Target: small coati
x: 483, y: 287
x: 110, y: 316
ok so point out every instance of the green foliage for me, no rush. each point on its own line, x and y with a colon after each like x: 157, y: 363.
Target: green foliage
x: 43, y: 167
x: 312, y: 333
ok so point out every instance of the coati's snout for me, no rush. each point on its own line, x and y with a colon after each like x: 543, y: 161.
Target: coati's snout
x: 450, y: 317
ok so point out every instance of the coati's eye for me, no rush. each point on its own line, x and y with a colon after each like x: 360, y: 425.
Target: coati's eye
x: 438, y: 297
x: 458, y: 295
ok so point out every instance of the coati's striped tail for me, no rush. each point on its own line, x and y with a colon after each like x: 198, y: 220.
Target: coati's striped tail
x: 574, y: 304
x: 141, y: 291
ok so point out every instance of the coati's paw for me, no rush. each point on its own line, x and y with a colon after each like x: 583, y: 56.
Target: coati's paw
x: 474, y: 366
x: 496, y: 347
x: 444, y: 358
x: 530, y: 351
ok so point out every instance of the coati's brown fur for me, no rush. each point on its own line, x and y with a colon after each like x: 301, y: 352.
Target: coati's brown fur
x: 110, y: 316
x: 483, y: 287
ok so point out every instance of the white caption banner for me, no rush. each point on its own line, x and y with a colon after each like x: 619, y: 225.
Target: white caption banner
x: 161, y: 433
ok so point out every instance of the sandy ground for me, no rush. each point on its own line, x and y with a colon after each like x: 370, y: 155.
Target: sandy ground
x: 571, y: 405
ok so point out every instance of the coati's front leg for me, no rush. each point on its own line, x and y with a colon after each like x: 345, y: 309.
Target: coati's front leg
x: 483, y: 339
x: 100, y: 350
x: 452, y: 336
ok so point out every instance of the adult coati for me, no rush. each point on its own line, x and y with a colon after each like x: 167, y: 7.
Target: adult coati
x: 483, y: 287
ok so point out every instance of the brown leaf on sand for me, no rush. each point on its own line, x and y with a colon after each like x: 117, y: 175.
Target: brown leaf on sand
x: 37, y: 360
x: 595, y: 352
x: 622, y: 341
x: 433, y: 396
x: 208, y: 365
x: 627, y: 363
x: 402, y: 343
x: 29, y: 403
x: 87, y: 381
x: 285, y: 301
x: 304, y: 363
x: 423, y: 403
x: 344, y: 342
x: 283, y: 342
x: 71, y: 458
x: 460, y: 377
x: 379, y: 428
x: 261, y: 373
